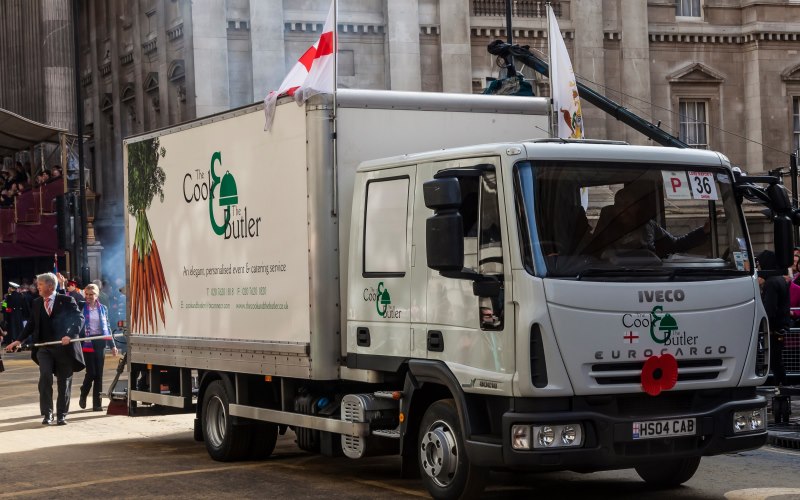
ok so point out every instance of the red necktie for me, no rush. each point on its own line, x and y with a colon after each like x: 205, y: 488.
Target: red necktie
x: 47, y: 306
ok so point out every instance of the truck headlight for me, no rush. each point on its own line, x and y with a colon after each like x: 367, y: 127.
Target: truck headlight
x: 521, y: 437
x: 557, y: 436
x: 546, y: 435
x: 568, y: 435
x: 749, y: 420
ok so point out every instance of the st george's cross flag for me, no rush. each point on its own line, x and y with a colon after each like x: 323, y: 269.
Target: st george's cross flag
x: 313, y: 74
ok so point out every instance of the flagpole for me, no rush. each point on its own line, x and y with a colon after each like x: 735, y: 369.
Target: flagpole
x: 550, y: 62
x: 335, y: 208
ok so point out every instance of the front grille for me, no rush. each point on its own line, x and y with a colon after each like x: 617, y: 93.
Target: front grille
x: 667, y: 403
x: 631, y: 372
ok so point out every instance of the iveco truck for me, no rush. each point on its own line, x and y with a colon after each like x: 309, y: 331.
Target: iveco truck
x: 429, y: 275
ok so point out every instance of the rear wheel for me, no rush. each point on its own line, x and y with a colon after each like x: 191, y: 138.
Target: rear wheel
x: 443, y: 463
x: 225, y: 441
x: 265, y: 435
x: 670, y: 473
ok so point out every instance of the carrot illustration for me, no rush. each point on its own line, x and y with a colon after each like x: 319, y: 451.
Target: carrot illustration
x: 148, y: 285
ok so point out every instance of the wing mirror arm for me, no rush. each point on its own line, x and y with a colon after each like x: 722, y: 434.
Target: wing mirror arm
x: 482, y: 285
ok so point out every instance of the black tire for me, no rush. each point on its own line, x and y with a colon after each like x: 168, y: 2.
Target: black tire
x: 445, y: 469
x: 670, y: 473
x: 265, y: 435
x: 225, y: 441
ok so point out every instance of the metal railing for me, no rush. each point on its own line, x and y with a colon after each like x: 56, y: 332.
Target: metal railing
x: 791, y: 352
x: 519, y: 8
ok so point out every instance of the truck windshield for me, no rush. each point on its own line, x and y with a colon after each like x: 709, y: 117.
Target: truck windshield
x: 591, y: 220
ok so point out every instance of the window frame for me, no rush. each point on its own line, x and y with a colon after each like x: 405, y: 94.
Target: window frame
x: 379, y: 274
x: 682, y: 15
x: 683, y: 119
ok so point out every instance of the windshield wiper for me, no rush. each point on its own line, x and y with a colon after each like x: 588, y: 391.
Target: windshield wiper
x: 692, y: 271
x: 625, y: 271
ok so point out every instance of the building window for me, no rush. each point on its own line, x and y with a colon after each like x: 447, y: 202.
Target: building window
x: 693, y: 123
x: 796, y: 123
x: 687, y: 8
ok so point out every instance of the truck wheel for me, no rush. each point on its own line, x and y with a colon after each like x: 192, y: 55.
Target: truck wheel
x: 443, y: 463
x: 265, y: 435
x: 668, y: 474
x: 225, y: 441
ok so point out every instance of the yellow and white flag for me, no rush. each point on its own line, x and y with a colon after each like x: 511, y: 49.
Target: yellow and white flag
x: 566, y: 103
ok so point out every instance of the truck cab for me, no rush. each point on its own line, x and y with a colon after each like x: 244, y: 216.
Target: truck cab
x: 580, y: 305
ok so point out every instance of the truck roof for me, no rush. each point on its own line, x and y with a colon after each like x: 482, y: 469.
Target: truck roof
x: 554, y: 149
x: 381, y: 99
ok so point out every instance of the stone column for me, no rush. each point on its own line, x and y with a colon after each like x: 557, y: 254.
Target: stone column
x: 21, y: 75
x: 635, y: 64
x: 753, y: 109
x: 402, y: 40
x: 456, y: 48
x: 112, y: 189
x: 58, y: 59
x: 163, y: 64
x: 210, y: 44
x: 91, y: 61
x: 268, y: 50
x: 589, y: 61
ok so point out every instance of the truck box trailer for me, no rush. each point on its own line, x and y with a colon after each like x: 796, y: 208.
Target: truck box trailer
x: 430, y: 275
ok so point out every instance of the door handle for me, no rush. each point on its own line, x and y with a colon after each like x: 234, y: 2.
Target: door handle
x: 362, y: 337
x: 435, y: 341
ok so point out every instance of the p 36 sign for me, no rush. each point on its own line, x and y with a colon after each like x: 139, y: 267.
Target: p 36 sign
x: 680, y: 185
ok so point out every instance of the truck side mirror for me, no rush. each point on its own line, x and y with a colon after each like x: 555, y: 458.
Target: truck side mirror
x: 779, y: 199
x: 782, y: 227
x: 444, y: 232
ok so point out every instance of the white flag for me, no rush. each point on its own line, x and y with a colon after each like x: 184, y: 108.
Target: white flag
x: 566, y: 103
x: 313, y: 74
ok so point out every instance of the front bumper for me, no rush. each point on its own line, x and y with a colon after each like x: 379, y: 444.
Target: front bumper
x: 608, y: 430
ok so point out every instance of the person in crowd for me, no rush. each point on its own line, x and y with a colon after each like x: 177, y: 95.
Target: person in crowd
x: 775, y: 297
x: 103, y: 295
x: 20, y: 174
x: 55, y: 172
x: 95, y: 320
x: 41, y: 179
x: 16, y: 311
x: 54, y: 318
x: 5, y: 179
x: 795, y: 269
x: 3, y: 333
x: 794, y: 303
x: 118, y: 301
x: 74, y: 292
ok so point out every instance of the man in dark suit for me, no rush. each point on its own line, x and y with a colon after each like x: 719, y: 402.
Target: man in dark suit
x: 53, y: 318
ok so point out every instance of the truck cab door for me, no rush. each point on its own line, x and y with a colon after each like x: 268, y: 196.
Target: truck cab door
x: 473, y: 333
x: 379, y: 296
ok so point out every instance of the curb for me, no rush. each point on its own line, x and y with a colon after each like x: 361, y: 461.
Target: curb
x: 784, y: 439
x: 781, y: 440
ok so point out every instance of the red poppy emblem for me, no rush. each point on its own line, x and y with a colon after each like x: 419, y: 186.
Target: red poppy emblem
x: 660, y: 373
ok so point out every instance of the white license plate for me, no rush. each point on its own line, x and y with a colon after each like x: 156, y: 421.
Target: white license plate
x: 664, y: 428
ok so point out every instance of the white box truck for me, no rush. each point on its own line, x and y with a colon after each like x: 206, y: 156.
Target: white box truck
x: 419, y: 274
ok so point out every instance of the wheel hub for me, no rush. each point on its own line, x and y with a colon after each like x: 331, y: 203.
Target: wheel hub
x: 215, y: 421
x: 439, y: 453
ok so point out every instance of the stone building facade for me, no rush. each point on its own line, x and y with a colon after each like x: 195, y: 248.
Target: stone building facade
x: 730, y: 67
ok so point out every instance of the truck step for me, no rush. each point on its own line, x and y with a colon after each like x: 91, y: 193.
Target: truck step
x: 387, y: 433
x: 388, y: 394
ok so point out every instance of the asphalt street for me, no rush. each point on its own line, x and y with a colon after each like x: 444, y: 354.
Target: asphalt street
x: 98, y: 455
